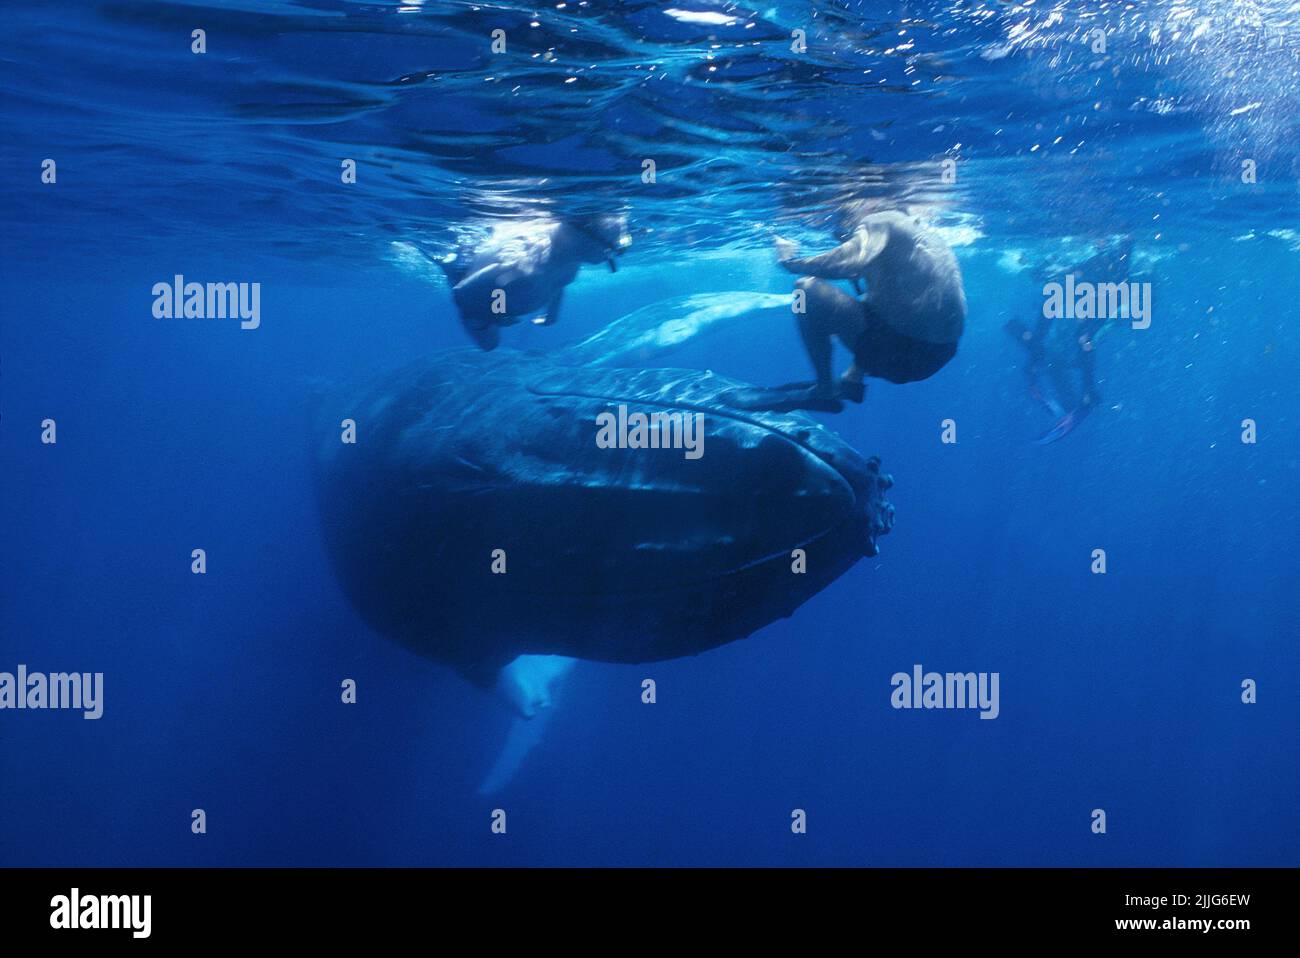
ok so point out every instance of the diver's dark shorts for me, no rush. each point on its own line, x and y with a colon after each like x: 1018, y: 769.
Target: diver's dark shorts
x: 884, y: 353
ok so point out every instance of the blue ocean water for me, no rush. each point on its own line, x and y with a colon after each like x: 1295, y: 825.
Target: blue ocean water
x: 1120, y: 691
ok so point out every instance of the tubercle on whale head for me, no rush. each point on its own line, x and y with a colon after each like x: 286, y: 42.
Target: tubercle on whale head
x: 863, y: 475
x: 879, y: 511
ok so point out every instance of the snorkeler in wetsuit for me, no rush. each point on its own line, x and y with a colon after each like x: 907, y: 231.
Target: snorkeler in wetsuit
x: 904, y: 329
x: 522, y: 269
x: 1062, y: 357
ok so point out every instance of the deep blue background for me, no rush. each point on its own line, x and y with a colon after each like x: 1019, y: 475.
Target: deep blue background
x: 1119, y: 691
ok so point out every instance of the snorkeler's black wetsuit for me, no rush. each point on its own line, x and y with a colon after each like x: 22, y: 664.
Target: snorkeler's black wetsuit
x: 884, y: 353
x: 879, y: 351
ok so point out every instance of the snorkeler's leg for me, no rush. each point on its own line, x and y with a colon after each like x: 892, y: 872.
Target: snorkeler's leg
x: 1085, y: 366
x: 817, y: 343
x: 1035, y: 343
x: 827, y: 312
x: 851, y: 385
x: 1088, y: 372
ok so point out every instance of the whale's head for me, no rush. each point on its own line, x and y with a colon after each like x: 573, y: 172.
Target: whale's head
x: 739, y: 487
x: 503, y: 504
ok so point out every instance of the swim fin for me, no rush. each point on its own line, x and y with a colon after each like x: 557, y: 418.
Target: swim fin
x: 787, y: 398
x: 1064, y: 426
x: 1052, y: 406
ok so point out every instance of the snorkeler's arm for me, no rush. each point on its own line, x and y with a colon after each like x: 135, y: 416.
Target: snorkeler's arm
x: 486, y: 337
x: 486, y: 273
x: 512, y: 261
x: 846, y: 261
x: 552, y: 313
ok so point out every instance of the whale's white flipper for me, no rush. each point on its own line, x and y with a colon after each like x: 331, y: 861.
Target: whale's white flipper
x: 523, y: 735
x: 526, y: 683
x: 664, y: 326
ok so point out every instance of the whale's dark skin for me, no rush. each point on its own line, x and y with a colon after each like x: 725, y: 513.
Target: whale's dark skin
x: 617, y: 555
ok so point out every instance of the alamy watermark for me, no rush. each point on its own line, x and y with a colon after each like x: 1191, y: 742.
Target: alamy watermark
x: 656, y: 430
x: 946, y: 690
x: 1080, y: 299
x: 181, y: 300
x: 53, y: 690
x: 75, y: 910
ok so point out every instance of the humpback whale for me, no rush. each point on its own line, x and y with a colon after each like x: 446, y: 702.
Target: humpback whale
x: 477, y: 521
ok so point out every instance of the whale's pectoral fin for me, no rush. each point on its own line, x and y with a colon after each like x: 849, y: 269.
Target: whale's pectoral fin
x: 527, y: 684
x: 523, y: 735
x: 647, y: 334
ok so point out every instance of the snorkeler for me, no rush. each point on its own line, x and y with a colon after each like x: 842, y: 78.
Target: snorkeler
x: 903, y: 330
x: 522, y: 269
x: 1061, y: 367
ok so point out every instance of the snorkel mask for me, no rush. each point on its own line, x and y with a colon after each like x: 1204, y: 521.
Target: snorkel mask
x: 609, y: 232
